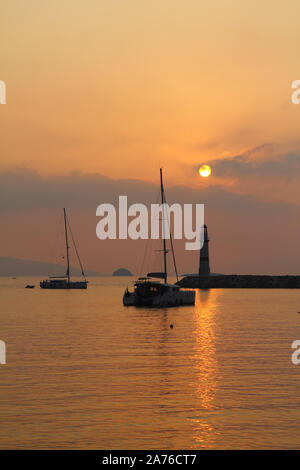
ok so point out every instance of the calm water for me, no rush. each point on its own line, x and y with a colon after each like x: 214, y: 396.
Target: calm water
x: 85, y: 372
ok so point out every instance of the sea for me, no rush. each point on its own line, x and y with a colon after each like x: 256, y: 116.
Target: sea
x: 84, y: 372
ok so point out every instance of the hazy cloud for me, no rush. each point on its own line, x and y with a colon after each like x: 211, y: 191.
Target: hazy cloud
x: 23, y: 190
x: 253, y: 163
x: 247, y: 233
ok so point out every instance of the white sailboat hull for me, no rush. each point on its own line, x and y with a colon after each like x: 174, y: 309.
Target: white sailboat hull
x: 164, y: 299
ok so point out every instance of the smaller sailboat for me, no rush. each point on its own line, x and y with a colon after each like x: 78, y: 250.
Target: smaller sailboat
x: 150, y: 293
x: 65, y: 282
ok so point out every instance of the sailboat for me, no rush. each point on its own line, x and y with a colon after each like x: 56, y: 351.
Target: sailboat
x: 64, y: 282
x: 150, y: 293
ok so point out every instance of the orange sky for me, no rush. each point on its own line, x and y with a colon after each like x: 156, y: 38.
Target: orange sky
x: 122, y: 87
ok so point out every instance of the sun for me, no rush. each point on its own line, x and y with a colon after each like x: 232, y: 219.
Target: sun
x: 205, y: 171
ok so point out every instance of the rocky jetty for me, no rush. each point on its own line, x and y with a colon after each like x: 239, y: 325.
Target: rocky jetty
x: 241, y: 281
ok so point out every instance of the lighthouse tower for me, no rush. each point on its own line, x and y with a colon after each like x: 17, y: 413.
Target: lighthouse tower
x: 204, y: 270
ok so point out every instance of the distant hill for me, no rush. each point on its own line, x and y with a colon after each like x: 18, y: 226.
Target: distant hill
x: 21, y: 267
x: 122, y: 272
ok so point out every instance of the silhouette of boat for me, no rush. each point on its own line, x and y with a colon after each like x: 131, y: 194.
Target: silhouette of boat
x: 29, y: 286
x: 150, y: 293
x: 64, y: 282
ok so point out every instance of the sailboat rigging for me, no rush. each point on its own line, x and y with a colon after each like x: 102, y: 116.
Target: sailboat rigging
x: 65, y: 282
x: 154, y: 293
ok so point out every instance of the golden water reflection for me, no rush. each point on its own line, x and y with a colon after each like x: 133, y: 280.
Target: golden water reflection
x: 205, y: 367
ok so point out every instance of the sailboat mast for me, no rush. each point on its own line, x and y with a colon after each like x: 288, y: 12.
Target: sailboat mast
x: 67, y: 246
x: 163, y: 226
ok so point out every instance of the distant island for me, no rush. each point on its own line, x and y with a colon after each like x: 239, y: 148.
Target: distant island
x: 122, y: 272
x: 12, y: 267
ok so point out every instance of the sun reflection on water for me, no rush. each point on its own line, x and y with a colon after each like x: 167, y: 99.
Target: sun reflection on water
x: 205, y: 366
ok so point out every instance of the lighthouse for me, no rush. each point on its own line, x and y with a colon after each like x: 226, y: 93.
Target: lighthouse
x: 204, y: 270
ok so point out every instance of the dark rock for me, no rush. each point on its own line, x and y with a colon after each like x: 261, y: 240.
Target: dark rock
x: 122, y: 272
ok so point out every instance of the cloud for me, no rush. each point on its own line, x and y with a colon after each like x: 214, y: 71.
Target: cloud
x: 247, y: 232
x: 256, y: 163
x: 23, y: 190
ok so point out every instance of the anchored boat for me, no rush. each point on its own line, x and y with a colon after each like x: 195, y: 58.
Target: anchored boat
x: 65, y: 282
x: 150, y: 293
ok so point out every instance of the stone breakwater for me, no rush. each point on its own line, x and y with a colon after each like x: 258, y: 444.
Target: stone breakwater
x: 241, y: 281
